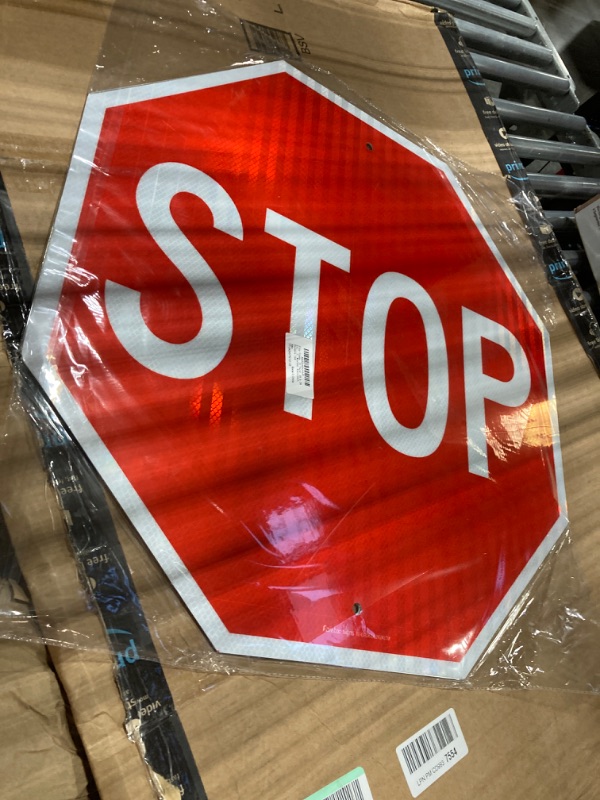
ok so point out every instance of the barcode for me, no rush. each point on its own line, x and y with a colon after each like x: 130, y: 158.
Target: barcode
x: 351, y: 791
x: 263, y: 39
x: 306, y: 367
x: 429, y: 744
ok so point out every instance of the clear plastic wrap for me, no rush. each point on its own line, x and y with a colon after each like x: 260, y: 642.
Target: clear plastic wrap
x: 385, y: 504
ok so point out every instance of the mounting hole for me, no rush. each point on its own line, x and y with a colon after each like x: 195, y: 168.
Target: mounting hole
x: 369, y: 146
x: 357, y: 608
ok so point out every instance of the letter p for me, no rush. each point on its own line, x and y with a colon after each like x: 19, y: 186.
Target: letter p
x: 480, y: 387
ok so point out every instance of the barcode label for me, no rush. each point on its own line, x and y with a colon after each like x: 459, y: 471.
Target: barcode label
x: 428, y: 744
x: 299, y: 365
x: 306, y: 366
x: 353, y: 786
x: 431, y: 752
x: 272, y: 41
x: 350, y: 792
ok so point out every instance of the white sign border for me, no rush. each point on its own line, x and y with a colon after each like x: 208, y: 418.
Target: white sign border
x: 40, y: 362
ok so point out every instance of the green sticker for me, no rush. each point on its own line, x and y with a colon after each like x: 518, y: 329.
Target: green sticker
x: 355, y: 782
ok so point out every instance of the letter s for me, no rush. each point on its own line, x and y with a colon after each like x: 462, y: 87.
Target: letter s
x: 192, y: 359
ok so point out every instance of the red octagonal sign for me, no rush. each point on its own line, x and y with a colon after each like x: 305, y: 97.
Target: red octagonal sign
x: 299, y: 362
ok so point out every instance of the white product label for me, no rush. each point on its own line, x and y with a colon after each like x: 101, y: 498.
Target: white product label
x: 352, y: 786
x: 299, y: 366
x: 431, y: 752
x: 588, y: 222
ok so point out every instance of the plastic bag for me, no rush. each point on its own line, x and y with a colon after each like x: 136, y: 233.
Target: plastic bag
x: 363, y: 526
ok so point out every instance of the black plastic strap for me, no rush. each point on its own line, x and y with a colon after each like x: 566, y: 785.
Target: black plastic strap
x: 150, y: 714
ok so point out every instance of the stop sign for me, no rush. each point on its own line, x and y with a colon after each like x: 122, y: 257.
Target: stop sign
x: 294, y: 354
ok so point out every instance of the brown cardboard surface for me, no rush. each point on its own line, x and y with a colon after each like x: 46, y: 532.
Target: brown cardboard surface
x: 37, y: 756
x: 47, y: 50
x: 266, y: 737
x: 275, y: 738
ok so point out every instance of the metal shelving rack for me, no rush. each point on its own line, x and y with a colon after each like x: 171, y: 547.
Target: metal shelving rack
x: 536, y: 100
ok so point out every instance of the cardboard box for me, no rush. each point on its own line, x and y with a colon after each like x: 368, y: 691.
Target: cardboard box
x: 38, y: 752
x: 271, y: 737
x: 38, y: 757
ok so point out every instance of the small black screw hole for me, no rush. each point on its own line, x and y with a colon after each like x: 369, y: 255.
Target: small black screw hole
x: 357, y: 608
x: 369, y: 146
